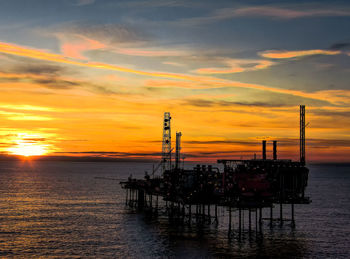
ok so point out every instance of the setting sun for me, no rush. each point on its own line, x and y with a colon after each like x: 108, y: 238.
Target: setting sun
x: 26, y: 149
x: 28, y: 145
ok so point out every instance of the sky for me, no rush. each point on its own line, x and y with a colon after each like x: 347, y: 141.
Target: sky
x: 94, y: 77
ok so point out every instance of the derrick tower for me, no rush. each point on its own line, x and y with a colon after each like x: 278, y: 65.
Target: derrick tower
x: 166, y: 143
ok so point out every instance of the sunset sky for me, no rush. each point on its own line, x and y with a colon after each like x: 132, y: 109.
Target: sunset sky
x: 94, y: 77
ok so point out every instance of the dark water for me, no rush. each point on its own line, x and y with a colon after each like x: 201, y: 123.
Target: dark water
x: 65, y: 209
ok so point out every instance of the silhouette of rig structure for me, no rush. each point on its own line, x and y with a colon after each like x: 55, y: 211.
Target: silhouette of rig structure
x: 243, y: 185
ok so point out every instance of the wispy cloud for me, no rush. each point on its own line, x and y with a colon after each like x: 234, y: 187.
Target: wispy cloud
x: 224, y: 103
x: 78, y: 39
x: 74, y: 47
x: 237, y: 66
x: 171, y: 63
x: 340, y: 45
x: 286, y: 54
x: 38, y: 69
x: 275, y: 12
x: 157, y: 3
x: 284, y: 13
x: 57, y: 83
x: 312, y: 142
x: 340, y: 113
x: 150, y: 52
x: 114, y: 154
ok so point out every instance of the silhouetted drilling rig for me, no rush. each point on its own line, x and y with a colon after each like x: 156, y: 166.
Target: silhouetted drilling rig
x: 243, y: 185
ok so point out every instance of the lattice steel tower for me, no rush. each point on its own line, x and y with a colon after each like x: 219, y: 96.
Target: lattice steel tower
x: 302, y: 134
x: 166, y: 145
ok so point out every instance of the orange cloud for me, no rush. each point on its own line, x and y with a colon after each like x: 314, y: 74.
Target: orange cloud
x: 284, y: 54
x: 75, y: 47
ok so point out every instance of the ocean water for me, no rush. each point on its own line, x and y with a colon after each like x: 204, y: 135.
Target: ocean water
x: 70, y: 209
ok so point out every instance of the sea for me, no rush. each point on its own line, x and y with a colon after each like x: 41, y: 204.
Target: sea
x: 77, y: 210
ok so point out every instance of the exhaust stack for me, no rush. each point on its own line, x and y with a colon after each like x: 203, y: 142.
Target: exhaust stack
x: 274, y: 150
x: 178, y: 150
x: 302, y: 134
x: 264, y: 149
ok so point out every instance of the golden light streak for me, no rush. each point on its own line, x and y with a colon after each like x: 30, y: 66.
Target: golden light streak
x: 283, y: 54
x: 30, y: 117
x: 22, y: 116
x: 25, y: 107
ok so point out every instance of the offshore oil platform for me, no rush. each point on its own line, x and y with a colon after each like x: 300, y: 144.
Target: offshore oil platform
x: 243, y: 186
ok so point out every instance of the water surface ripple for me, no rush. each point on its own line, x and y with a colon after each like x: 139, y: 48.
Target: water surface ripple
x: 69, y: 209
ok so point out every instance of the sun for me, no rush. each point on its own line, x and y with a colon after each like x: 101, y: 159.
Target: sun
x: 26, y: 149
x: 29, y: 145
